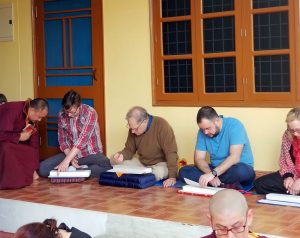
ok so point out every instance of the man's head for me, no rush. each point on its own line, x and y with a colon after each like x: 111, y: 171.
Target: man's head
x: 209, y: 121
x: 71, y: 103
x: 137, y: 119
x: 3, y: 99
x: 38, y: 109
x: 229, y: 214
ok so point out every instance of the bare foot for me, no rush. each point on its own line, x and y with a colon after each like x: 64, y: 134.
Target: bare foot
x: 35, y: 175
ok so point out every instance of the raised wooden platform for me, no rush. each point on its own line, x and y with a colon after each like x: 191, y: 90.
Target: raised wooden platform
x: 154, y: 202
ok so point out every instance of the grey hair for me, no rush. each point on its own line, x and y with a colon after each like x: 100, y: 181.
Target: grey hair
x: 138, y: 113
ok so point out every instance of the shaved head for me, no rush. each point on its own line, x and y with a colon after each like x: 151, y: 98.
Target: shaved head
x: 228, y: 212
x: 226, y: 202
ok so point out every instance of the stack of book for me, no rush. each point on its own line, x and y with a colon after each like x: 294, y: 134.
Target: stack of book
x: 281, y: 199
x: 193, y: 188
x: 71, y: 176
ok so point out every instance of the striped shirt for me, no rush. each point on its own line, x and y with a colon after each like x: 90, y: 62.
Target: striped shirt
x: 286, y: 161
x: 81, y: 131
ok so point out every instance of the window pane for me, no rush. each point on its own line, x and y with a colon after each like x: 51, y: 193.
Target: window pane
x: 177, y: 38
x: 269, y: 3
x: 272, y: 73
x: 173, y: 8
x: 178, y: 76
x: 218, y: 34
x: 220, y: 75
x: 271, y: 31
x: 217, y: 5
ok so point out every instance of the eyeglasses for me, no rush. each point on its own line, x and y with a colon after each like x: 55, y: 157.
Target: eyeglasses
x: 235, y: 230
x: 293, y: 131
x: 72, y: 111
x: 136, y: 128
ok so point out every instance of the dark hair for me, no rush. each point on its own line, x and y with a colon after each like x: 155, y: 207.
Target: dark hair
x: 47, y: 229
x: 39, y: 104
x: 206, y: 112
x: 70, y: 99
x: 3, y: 99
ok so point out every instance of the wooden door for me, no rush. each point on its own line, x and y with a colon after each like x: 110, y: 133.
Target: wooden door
x: 68, y: 47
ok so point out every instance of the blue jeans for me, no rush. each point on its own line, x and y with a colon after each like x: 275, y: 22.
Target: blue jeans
x: 97, y: 163
x: 239, y: 173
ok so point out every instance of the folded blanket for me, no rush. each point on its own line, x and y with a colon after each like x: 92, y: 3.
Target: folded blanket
x: 127, y: 180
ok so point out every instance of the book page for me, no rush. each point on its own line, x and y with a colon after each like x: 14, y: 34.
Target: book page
x: 126, y: 169
x: 201, y: 191
x: 283, y: 197
x: 280, y: 203
x: 72, y: 174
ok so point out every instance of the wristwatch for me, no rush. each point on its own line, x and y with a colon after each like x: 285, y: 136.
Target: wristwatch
x: 214, y: 172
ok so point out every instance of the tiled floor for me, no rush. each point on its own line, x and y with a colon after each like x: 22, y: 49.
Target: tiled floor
x: 154, y: 202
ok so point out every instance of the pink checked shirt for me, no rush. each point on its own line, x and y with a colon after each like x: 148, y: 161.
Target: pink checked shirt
x: 285, y: 162
x: 82, y: 131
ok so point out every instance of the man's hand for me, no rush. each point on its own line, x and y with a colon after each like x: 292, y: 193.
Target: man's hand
x: 205, y: 179
x: 63, y: 166
x: 216, y: 182
x: 288, y: 183
x: 67, y: 151
x: 74, y: 163
x: 295, y: 188
x: 117, y: 158
x: 169, y: 182
x: 25, y: 135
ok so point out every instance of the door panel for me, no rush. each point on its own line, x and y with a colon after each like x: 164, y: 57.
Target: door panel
x: 68, y: 50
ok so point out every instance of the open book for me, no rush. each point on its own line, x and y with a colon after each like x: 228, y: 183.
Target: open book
x: 281, y: 199
x: 194, y: 188
x: 125, y: 169
x: 71, y: 173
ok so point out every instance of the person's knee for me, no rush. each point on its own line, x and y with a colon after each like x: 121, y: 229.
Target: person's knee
x: 160, y: 172
x: 184, y: 171
x: 244, y: 171
x: 259, y: 186
x: 43, y: 169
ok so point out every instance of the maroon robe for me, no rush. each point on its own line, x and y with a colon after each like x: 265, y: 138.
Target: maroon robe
x: 18, y: 159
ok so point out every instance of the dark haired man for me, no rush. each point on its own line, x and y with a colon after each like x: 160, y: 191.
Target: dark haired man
x: 226, y: 141
x: 19, y: 141
x: 79, y: 139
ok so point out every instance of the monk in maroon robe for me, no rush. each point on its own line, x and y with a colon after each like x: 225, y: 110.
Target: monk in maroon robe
x: 19, y: 142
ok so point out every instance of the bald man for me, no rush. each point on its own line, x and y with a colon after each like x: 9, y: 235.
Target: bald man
x: 229, y: 215
x: 153, y: 139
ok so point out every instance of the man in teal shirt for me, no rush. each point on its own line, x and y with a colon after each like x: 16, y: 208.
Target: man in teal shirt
x: 226, y: 141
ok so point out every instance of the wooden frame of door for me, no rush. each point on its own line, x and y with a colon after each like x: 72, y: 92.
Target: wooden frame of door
x: 40, y: 91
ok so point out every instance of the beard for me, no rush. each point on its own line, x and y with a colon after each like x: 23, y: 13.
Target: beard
x: 217, y: 132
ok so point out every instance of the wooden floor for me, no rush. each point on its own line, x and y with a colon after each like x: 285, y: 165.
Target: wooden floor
x: 154, y: 202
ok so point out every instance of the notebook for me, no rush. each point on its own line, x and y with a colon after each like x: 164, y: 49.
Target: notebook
x: 71, y: 173
x: 281, y: 199
x: 125, y: 169
x: 193, y: 188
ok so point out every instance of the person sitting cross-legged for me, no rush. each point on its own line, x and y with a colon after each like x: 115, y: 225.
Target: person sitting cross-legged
x: 226, y: 141
x: 153, y: 139
x: 79, y: 139
x: 287, y: 178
